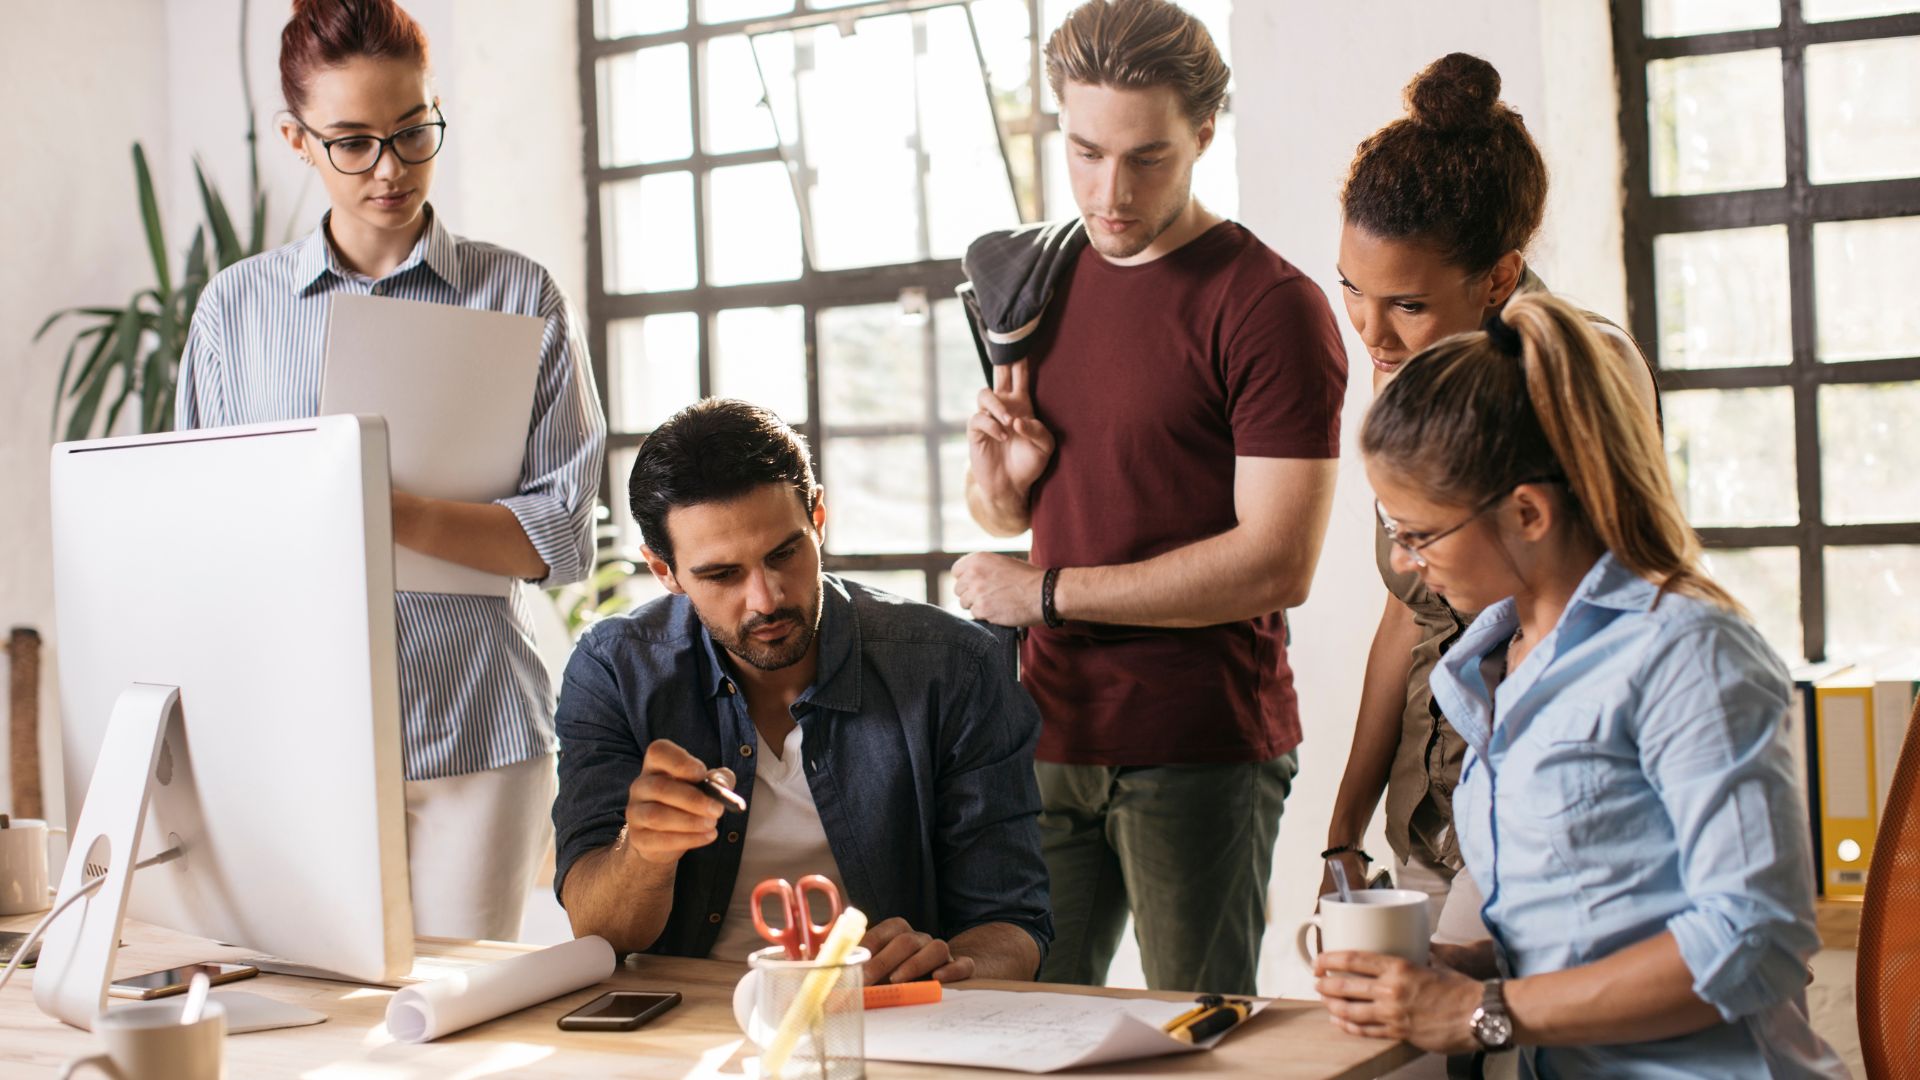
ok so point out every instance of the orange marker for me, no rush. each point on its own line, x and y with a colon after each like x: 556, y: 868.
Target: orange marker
x: 887, y: 995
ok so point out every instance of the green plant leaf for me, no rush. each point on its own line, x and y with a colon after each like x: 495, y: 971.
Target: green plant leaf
x: 66, y: 366
x: 156, y: 386
x: 150, y: 214
x: 257, y: 240
x: 226, y: 244
x: 96, y: 312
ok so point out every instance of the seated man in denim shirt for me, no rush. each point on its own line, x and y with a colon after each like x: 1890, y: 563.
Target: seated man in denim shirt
x: 879, y: 742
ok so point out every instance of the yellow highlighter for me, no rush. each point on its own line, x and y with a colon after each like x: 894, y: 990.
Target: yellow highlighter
x: 848, y: 929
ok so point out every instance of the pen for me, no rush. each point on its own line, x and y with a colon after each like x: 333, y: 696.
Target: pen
x: 719, y: 792
x: 1213, y: 1022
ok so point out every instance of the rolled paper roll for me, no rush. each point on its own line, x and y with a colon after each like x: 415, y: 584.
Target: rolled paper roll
x: 428, y: 1010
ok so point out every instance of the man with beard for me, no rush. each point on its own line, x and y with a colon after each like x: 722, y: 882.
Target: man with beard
x: 879, y: 742
x: 1169, y: 438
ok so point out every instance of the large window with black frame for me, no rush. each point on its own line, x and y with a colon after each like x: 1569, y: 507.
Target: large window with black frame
x: 779, y: 193
x: 1773, y: 249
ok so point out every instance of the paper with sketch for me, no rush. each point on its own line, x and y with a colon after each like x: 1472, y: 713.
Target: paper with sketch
x: 1027, y: 1032
x: 456, y: 387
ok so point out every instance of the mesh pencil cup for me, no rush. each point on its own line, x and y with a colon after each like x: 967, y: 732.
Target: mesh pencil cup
x: 828, y: 1039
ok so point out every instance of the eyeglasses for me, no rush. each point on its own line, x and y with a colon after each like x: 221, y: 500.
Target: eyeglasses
x: 355, y: 154
x: 1413, y: 543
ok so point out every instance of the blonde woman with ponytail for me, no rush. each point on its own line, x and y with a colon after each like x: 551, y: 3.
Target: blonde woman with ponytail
x: 1626, y: 798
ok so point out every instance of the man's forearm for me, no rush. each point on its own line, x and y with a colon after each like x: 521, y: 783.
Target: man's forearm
x: 999, y: 951
x: 613, y: 892
x: 1222, y: 579
x: 1006, y: 515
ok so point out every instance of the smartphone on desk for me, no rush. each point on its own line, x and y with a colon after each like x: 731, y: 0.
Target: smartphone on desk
x: 10, y: 942
x: 619, y: 1010
x: 156, y: 984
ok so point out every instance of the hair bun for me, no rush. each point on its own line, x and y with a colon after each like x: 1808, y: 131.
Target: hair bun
x: 1458, y: 92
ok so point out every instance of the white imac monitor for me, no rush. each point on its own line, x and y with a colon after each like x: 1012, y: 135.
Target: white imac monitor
x: 225, y: 612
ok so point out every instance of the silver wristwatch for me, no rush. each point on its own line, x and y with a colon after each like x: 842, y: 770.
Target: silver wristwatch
x: 1491, y: 1025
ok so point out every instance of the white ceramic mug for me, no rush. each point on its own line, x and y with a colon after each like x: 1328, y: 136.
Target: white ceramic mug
x: 148, y: 1042
x: 23, y: 867
x: 1391, y: 921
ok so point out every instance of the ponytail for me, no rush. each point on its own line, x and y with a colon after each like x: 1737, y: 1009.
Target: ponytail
x: 1541, y: 394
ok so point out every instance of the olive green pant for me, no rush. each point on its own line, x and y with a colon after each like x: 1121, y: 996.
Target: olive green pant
x: 1186, y: 848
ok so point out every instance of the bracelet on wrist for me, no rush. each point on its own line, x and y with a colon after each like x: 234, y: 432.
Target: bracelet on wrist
x: 1347, y: 849
x: 1048, y: 614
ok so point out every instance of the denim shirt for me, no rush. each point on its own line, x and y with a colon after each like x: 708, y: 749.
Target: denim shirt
x: 1630, y: 777
x: 918, y: 746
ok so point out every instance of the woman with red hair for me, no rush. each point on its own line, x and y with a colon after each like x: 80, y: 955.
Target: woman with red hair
x: 476, y: 703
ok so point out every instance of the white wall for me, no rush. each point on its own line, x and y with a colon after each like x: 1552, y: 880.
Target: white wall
x: 83, y: 81
x: 79, y: 84
x: 1313, y: 80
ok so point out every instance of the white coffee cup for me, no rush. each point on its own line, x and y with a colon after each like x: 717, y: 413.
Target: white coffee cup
x: 23, y: 867
x: 148, y: 1042
x: 1391, y: 921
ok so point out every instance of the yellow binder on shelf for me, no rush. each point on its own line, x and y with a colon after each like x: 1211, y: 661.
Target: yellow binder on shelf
x: 1849, y: 807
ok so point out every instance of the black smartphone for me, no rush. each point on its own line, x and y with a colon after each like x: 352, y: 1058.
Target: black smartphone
x: 619, y: 1010
x: 10, y: 942
x: 176, y: 980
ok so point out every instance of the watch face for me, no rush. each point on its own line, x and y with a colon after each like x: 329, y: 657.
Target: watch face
x: 1494, y: 1030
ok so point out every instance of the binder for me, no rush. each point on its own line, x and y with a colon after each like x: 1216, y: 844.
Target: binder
x: 1845, y: 751
x: 1896, y: 681
x: 1802, y: 733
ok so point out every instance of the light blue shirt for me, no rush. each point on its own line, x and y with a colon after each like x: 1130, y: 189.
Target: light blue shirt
x: 1630, y: 777
x: 474, y: 694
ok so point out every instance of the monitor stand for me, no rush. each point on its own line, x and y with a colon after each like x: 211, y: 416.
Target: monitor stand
x: 76, y: 960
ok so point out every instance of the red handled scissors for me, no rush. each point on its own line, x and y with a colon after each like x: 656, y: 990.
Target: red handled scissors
x: 797, y: 933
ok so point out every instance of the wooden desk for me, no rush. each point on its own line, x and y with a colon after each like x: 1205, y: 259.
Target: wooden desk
x: 697, y: 1039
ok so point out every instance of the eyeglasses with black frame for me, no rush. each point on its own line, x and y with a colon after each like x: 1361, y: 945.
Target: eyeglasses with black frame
x: 1413, y: 543
x: 356, y: 154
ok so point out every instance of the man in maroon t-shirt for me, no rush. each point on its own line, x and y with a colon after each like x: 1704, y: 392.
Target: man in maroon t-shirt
x: 1172, y: 448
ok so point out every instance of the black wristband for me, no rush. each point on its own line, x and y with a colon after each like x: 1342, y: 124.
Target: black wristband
x: 1347, y: 849
x: 1047, y: 613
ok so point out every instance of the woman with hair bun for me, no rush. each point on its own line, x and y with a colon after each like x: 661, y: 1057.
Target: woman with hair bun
x: 476, y: 705
x: 1439, y: 208
x: 1627, y: 790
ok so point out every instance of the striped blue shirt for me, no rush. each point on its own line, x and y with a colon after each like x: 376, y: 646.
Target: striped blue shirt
x: 474, y: 694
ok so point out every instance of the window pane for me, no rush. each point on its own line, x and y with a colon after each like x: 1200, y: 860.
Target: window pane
x: 625, y: 18
x: 1863, y: 110
x: 760, y: 355
x: 620, y: 462
x: 862, y: 152
x: 958, y: 530
x: 877, y: 495
x: 872, y: 366
x: 645, y: 112
x: 1867, y: 455
x: 947, y: 599
x: 718, y: 11
x: 1863, y: 282
x: 730, y: 105
x: 911, y: 584
x: 1767, y: 582
x: 1060, y: 202
x: 1730, y: 453
x: 1830, y: 10
x: 1674, y: 18
x: 655, y: 368
x: 1873, y: 598
x: 648, y: 233
x: 753, y: 225
x: 1715, y: 123
x: 959, y: 361
x: 1721, y: 298
x: 968, y: 191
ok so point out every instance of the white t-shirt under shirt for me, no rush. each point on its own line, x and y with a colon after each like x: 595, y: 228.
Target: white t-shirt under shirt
x: 784, y: 840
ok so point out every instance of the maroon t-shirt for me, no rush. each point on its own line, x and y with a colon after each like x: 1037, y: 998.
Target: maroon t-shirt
x: 1153, y: 378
